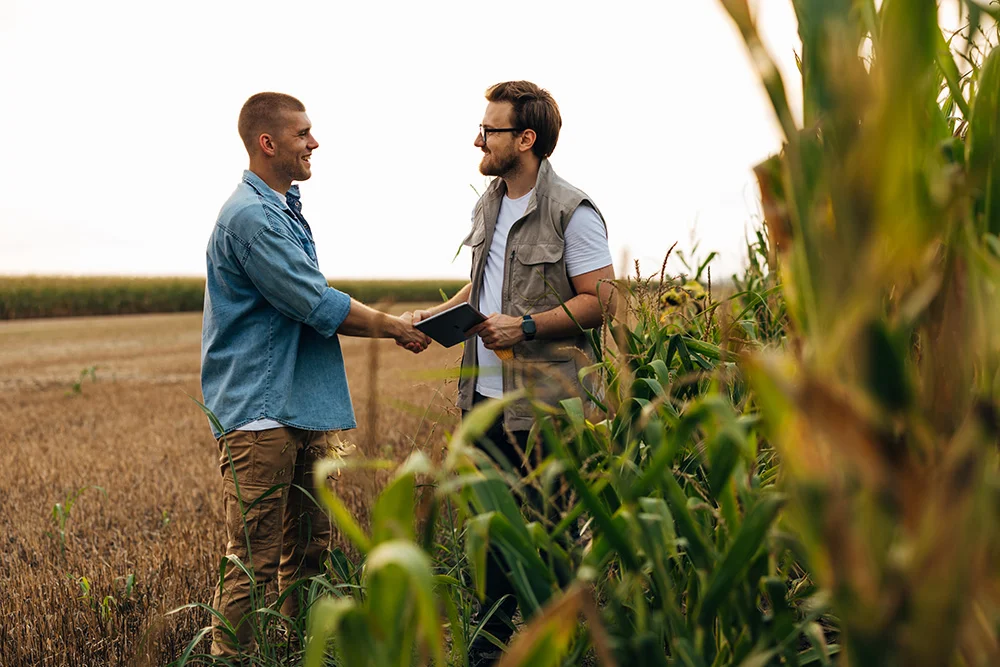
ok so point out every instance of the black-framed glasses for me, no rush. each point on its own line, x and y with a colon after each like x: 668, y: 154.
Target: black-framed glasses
x: 484, y: 131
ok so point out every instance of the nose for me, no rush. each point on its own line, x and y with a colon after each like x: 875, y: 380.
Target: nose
x: 479, y: 143
x: 313, y: 144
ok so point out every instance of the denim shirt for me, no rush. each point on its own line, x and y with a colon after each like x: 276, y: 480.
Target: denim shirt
x: 269, y: 346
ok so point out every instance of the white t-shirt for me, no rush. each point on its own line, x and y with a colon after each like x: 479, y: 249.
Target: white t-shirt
x: 586, y: 249
x: 265, y: 424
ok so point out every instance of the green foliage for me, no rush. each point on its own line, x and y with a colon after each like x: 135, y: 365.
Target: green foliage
x: 37, y: 296
x: 883, y: 412
x: 105, y: 607
x: 668, y: 508
x: 61, y: 513
x: 683, y: 553
x: 984, y: 146
x: 42, y: 296
x: 77, y: 387
x: 397, y: 621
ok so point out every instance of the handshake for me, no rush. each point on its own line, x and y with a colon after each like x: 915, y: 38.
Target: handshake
x: 499, y: 332
x: 408, y: 336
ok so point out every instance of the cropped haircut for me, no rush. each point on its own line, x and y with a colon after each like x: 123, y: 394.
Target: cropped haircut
x: 534, y: 109
x: 262, y: 114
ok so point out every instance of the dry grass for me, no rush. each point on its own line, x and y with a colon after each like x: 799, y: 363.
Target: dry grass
x: 136, y: 433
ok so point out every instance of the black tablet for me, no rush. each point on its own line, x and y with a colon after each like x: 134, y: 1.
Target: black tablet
x: 449, y: 326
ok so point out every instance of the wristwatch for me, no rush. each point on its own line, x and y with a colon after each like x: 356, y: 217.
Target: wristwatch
x: 528, y: 327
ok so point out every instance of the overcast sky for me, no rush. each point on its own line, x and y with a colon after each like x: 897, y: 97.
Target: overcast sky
x: 120, y: 124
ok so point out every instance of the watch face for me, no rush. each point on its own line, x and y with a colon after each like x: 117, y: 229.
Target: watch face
x: 528, y: 326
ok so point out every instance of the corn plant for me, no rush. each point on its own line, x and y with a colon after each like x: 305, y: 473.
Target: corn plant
x: 408, y: 591
x: 678, y: 494
x: 61, y: 514
x: 882, y: 208
x: 672, y: 487
x: 106, y: 606
x: 77, y: 387
x: 675, y: 496
x: 394, y: 620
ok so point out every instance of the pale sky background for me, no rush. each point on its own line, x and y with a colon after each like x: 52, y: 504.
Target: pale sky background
x: 121, y: 145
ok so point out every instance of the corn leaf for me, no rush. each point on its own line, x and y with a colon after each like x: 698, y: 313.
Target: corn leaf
x: 747, y: 542
x: 984, y: 146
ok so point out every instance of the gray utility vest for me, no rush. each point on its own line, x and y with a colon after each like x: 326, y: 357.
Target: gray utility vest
x: 535, y: 281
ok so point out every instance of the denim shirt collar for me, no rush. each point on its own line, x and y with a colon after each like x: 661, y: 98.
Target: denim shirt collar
x: 265, y: 191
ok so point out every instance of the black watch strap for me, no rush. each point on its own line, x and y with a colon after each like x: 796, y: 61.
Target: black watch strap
x: 528, y: 327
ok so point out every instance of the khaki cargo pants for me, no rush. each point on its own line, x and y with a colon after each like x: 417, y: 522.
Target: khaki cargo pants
x: 287, y: 533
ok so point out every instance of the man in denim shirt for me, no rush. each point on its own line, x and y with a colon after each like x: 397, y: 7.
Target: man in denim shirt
x: 272, y: 370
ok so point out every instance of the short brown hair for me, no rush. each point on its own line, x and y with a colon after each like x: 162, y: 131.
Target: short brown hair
x: 261, y: 113
x: 534, y: 109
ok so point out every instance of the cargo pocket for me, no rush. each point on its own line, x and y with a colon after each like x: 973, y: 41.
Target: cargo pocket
x: 263, y: 521
x: 534, y: 278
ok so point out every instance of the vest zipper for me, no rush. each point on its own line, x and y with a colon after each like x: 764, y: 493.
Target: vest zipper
x: 507, y: 279
x: 510, y: 267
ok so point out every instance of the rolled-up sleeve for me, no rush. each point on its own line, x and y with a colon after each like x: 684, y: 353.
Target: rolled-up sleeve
x: 287, y: 277
x: 330, y: 312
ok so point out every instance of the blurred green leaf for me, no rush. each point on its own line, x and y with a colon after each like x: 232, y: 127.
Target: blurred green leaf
x: 887, y: 374
x: 339, y: 512
x: 407, y: 558
x: 984, y: 145
x: 393, y: 516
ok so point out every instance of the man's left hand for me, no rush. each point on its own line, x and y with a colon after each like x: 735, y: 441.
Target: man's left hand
x: 411, y: 338
x: 499, y: 331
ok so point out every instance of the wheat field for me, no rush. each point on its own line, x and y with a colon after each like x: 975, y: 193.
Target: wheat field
x: 107, y: 402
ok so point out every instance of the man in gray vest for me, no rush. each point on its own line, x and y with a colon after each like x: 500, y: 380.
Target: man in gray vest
x: 538, y: 243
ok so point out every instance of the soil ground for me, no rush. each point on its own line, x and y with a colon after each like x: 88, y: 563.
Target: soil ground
x: 107, y: 402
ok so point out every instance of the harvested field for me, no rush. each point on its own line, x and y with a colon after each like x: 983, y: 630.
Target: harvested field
x: 106, y: 402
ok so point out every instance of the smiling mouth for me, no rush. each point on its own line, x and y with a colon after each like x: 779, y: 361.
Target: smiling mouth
x: 307, y: 158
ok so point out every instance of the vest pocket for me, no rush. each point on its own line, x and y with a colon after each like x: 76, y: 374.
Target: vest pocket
x: 476, y: 240
x: 476, y: 236
x: 533, y: 277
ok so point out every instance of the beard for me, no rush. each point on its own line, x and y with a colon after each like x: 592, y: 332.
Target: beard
x: 301, y: 171
x: 498, y: 165
x: 294, y: 170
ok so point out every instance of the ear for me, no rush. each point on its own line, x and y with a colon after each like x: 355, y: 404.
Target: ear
x: 266, y: 144
x: 526, y: 140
